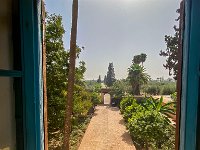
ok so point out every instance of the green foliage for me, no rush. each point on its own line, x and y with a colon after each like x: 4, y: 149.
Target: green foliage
x: 159, y: 88
x: 129, y: 110
x: 96, y: 98
x: 99, y: 79
x: 57, y: 72
x: 127, y: 101
x: 82, y: 102
x: 78, y: 131
x: 171, y: 52
x: 174, y: 96
x: 148, y: 124
x: 159, y: 106
x: 150, y: 130
x: 152, y: 90
x: 92, y: 86
x: 168, y: 90
x: 110, y: 78
x: 137, y: 59
x: 137, y: 77
x: 104, y: 80
x: 143, y: 58
x: 119, y: 89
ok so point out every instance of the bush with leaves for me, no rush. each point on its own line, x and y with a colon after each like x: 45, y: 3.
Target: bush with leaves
x: 57, y: 72
x: 82, y: 102
x: 119, y: 88
x: 168, y: 89
x: 153, y: 90
x: 150, y: 129
x: 130, y: 110
x: 93, y: 86
x: 96, y: 98
x: 127, y: 101
x: 174, y: 96
x: 148, y: 123
x: 159, y: 106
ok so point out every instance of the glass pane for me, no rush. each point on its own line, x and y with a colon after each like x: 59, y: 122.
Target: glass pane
x: 6, y: 53
x: 7, y: 115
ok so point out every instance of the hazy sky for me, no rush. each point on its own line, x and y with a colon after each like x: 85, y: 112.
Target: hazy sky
x: 116, y: 30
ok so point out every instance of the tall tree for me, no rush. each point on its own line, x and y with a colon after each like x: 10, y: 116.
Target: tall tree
x: 137, y: 59
x: 105, y: 78
x: 99, y: 79
x: 71, y: 77
x: 119, y: 88
x: 57, y: 70
x: 171, y: 52
x: 143, y: 58
x: 110, y: 75
x: 137, y: 77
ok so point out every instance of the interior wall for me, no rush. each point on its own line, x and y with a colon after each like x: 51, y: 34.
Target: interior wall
x: 7, y: 103
x: 7, y: 115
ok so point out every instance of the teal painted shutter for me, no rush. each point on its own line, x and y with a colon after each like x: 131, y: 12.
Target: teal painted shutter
x: 32, y: 74
x: 190, y: 81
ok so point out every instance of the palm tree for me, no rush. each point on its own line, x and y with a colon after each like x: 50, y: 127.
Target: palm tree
x: 158, y: 105
x: 143, y: 58
x: 137, y: 77
x: 136, y: 59
x: 71, y: 76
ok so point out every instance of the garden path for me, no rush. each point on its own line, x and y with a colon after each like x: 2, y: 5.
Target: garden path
x: 106, y: 131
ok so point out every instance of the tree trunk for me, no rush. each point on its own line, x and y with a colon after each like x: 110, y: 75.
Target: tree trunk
x: 44, y: 78
x: 146, y: 145
x: 71, y: 77
x: 136, y: 89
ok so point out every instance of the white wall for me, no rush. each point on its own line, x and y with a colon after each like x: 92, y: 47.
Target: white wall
x: 107, y: 99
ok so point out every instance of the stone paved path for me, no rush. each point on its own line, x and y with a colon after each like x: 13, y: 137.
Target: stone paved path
x: 106, y: 131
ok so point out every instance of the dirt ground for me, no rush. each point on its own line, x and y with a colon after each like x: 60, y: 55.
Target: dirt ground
x: 106, y: 131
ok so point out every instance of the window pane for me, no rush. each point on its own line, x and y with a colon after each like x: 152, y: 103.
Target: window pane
x: 7, y: 115
x: 6, y: 53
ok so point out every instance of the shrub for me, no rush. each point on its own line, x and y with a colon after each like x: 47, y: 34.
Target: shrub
x: 174, y: 96
x: 96, y: 98
x: 125, y: 102
x: 130, y: 110
x: 153, y: 90
x: 119, y: 89
x: 150, y: 129
x: 81, y: 104
x: 168, y: 89
x: 148, y: 124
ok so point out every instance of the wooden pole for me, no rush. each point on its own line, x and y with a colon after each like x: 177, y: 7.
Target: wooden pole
x: 44, y: 78
x: 71, y: 77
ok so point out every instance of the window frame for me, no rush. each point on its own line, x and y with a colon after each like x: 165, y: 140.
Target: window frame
x: 190, y: 76
x: 30, y: 22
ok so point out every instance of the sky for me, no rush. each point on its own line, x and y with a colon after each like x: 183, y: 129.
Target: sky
x: 116, y: 30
